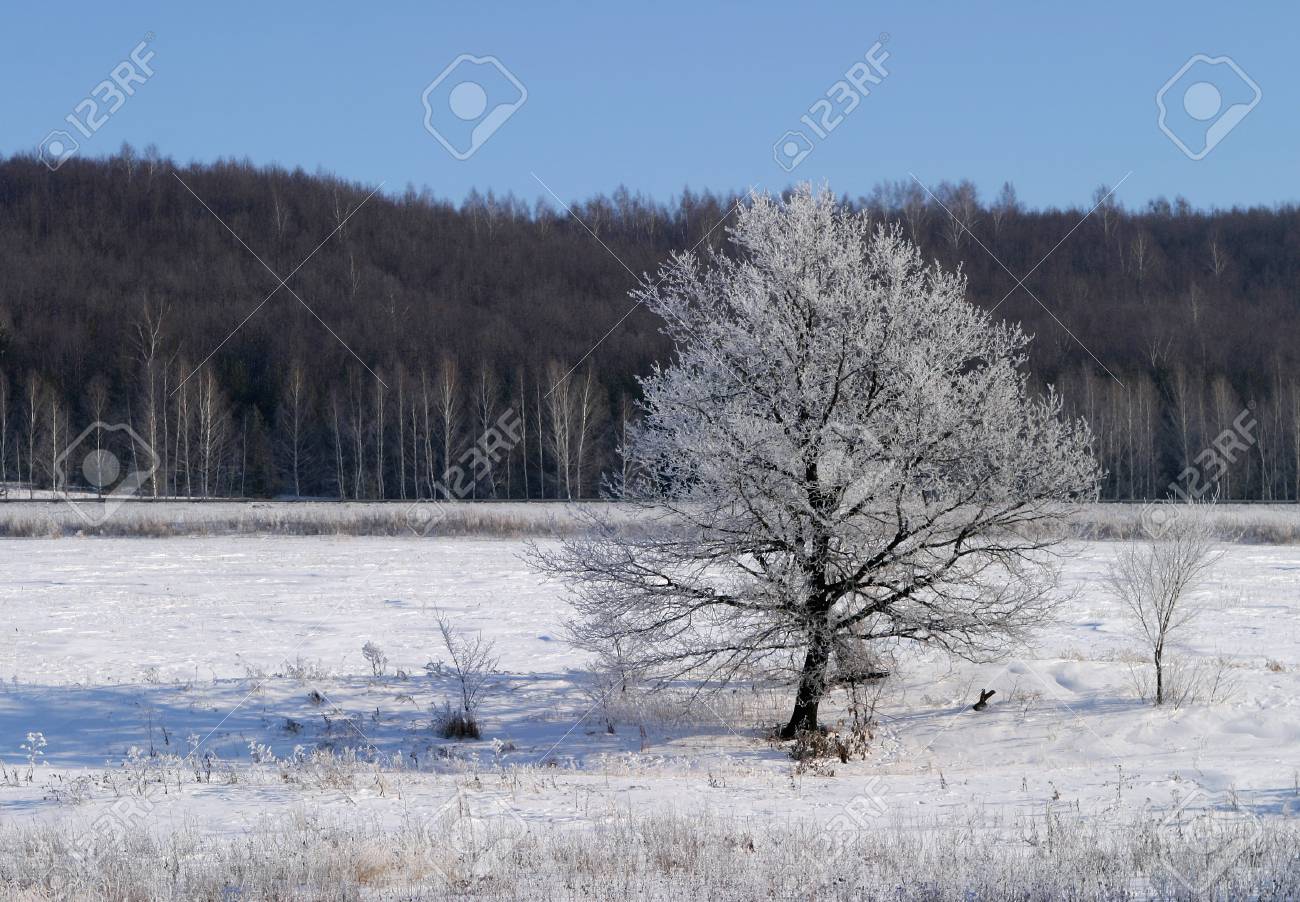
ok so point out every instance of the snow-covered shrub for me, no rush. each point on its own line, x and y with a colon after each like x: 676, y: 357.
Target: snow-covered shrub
x: 305, y: 671
x: 1186, y: 681
x: 473, y: 663
x: 1154, y: 579
x: 375, y: 656
x: 455, y: 723
x: 35, y: 749
x: 824, y: 744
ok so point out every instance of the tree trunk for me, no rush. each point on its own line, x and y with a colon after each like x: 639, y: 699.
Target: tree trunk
x: 1160, y: 679
x: 812, y: 685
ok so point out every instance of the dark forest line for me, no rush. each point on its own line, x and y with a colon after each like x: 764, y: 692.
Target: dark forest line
x: 1164, y: 326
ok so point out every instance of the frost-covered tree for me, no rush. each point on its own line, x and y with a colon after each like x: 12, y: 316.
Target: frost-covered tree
x: 843, y: 451
x: 1154, y: 580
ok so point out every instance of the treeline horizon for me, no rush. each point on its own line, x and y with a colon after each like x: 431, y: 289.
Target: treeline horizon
x: 418, y: 324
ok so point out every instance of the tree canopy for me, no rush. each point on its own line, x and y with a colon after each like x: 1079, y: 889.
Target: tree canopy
x: 843, y: 450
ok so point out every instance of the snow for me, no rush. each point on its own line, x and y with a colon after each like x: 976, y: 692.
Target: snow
x: 108, y: 644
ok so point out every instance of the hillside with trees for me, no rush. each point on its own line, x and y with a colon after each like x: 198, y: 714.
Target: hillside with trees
x: 414, y: 324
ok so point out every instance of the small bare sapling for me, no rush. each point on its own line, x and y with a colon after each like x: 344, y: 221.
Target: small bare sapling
x: 375, y: 655
x: 473, y: 661
x: 1155, y: 580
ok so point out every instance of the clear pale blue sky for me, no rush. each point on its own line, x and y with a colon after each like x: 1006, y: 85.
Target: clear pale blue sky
x: 657, y: 96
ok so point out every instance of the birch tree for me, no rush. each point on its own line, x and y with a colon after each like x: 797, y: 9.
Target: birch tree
x: 213, y: 431
x: 293, y: 415
x: 4, y: 431
x: 57, y: 414
x: 148, y: 341
x: 35, y: 394
x: 401, y: 431
x: 560, y: 411
x: 844, y: 451
x: 589, y: 414
x: 380, y: 404
x: 183, y: 403
x: 339, y: 475
x: 487, y: 394
x: 447, y: 398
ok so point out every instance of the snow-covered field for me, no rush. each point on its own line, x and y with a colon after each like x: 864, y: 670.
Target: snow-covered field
x: 215, y: 685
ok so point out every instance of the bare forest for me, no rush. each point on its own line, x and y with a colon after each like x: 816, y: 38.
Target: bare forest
x: 119, y: 285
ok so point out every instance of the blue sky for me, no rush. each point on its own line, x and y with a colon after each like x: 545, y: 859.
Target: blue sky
x: 1057, y: 98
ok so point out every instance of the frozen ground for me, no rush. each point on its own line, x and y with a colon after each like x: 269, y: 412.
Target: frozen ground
x: 200, y: 664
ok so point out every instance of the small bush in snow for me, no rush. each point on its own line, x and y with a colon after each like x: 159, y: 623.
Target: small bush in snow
x: 452, y: 723
x: 35, y: 749
x: 375, y: 656
x: 823, y: 744
x: 473, y: 661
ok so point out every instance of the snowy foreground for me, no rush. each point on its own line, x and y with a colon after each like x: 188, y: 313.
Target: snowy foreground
x: 166, y: 695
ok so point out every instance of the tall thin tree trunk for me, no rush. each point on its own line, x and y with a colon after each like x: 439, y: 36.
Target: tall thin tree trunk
x: 4, y: 427
x: 541, y: 460
x: 338, y: 445
x: 380, y: 491
x: 401, y: 433
x: 523, y: 427
x: 33, y: 415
